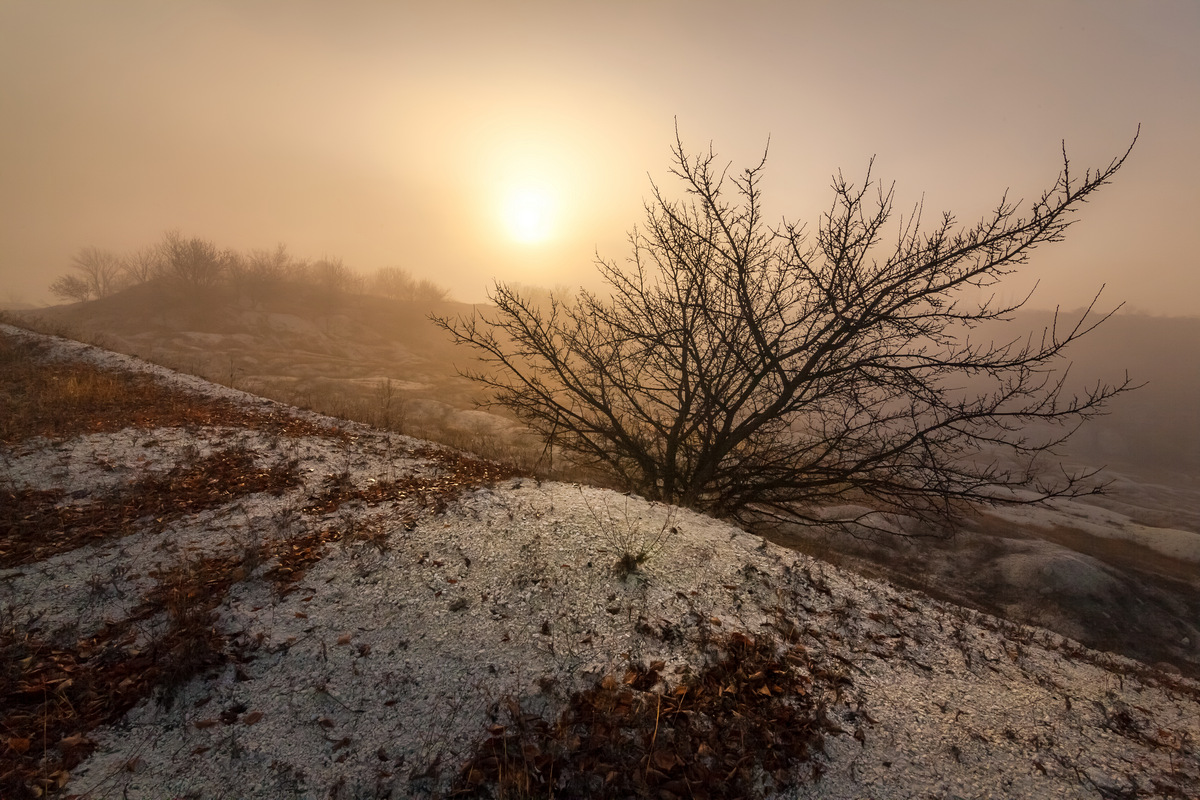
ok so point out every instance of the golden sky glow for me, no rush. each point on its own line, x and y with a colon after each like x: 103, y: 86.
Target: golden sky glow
x: 529, y: 213
x: 477, y: 140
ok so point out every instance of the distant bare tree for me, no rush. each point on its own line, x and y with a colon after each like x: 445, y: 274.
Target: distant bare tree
x: 71, y: 288
x: 393, y: 282
x: 427, y: 291
x: 263, y: 272
x: 193, y: 262
x: 272, y: 264
x: 97, y: 274
x: 749, y: 370
x: 142, y: 265
x: 398, y: 284
x: 331, y: 276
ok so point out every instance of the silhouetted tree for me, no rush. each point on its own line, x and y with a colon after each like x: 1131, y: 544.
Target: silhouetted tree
x: 393, y: 282
x: 398, y: 284
x: 141, y: 266
x: 72, y: 288
x: 263, y: 273
x: 193, y: 262
x: 751, y: 370
x: 333, y: 277
x: 97, y: 274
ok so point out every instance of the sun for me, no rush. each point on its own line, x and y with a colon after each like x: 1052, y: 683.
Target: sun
x: 528, y: 213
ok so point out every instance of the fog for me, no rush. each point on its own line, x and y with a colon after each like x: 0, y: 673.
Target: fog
x: 473, y: 141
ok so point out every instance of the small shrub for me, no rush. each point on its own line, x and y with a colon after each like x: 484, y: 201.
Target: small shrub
x: 624, y: 534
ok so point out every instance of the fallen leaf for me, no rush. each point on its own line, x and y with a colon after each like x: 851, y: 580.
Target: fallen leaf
x: 252, y: 717
x: 18, y: 745
x: 344, y: 638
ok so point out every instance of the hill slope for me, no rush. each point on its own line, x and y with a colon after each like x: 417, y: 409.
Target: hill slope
x: 207, y: 594
x: 360, y: 356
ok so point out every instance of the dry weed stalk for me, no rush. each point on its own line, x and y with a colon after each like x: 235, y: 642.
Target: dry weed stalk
x: 625, y: 535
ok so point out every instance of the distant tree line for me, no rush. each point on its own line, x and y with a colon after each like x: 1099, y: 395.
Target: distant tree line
x: 198, y: 263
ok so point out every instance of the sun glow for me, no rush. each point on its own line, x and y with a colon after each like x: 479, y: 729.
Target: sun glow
x: 529, y: 213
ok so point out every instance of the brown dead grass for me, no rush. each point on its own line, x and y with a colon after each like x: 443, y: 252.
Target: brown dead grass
x: 52, y: 694
x: 738, y: 728
x: 457, y: 472
x: 57, y: 399
x: 37, y: 524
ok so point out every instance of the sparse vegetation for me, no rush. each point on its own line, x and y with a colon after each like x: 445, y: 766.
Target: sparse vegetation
x: 98, y: 273
x: 398, y: 284
x: 625, y: 535
x: 36, y: 524
x: 199, y: 264
x: 66, y: 399
x: 52, y: 692
x: 739, y: 727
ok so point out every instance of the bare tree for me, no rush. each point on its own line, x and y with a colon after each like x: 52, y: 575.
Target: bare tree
x: 426, y: 291
x: 71, y: 288
x: 748, y: 370
x: 333, y: 277
x: 98, y: 274
x: 193, y: 262
x: 142, y: 265
x: 393, y: 282
x: 398, y: 284
x: 264, y: 272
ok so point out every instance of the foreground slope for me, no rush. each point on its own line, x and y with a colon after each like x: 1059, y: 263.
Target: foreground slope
x: 211, y: 595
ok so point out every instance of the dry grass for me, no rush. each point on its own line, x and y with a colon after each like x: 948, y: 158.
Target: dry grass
x: 52, y: 693
x: 738, y: 728
x: 36, y: 524
x: 66, y: 398
x: 55, y: 694
x: 57, y: 399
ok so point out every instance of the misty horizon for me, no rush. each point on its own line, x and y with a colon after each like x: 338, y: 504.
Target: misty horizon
x: 517, y: 143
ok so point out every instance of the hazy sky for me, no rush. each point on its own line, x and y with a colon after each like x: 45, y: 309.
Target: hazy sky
x: 468, y: 141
